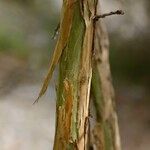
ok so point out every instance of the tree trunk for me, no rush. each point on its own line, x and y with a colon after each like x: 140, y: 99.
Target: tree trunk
x: 82, y: 46
x: 105, y: 135
x: 75, y: 73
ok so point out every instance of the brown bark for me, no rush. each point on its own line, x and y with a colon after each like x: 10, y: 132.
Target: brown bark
x: 105, y: 134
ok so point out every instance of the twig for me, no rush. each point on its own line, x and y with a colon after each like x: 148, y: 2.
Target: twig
x: 118, y: 12
x: 56, y: 31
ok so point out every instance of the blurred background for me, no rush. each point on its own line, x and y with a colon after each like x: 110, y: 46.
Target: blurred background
x: 26, y: 44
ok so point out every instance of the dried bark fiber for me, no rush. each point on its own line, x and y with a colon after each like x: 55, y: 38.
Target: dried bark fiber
x: 75, y: 77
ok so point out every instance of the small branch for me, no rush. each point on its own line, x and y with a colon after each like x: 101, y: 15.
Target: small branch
x: 56, y: 32
x: 118, y: 12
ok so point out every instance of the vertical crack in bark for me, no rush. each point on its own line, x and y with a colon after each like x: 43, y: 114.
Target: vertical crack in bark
x: 88, y: 9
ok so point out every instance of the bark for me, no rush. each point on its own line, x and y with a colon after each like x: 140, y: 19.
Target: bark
x: 75, y: 72
x: 79, y: 44
x: 105, y: 135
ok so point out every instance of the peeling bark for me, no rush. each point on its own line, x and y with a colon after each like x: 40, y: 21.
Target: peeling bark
x: 75, y: 78
x: 79, y: 39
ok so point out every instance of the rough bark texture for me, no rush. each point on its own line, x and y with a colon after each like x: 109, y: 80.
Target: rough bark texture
x: 105, y: 135
x: 75, y: 74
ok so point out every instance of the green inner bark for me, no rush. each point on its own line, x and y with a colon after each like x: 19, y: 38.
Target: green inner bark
x: 69, y: 69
